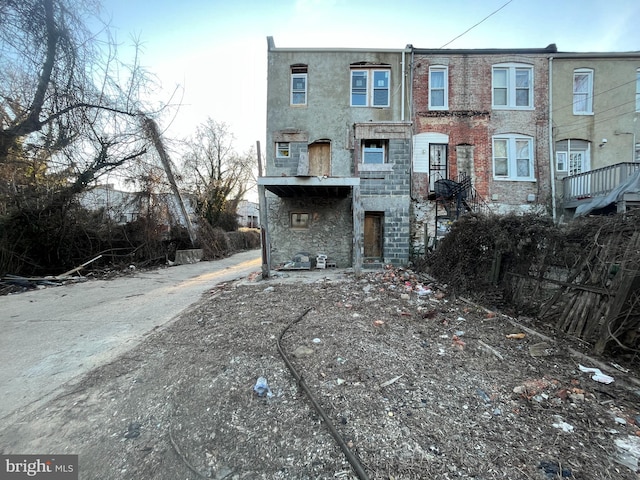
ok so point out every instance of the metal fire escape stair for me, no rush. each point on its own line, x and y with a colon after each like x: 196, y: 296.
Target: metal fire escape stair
x: 453, y: 199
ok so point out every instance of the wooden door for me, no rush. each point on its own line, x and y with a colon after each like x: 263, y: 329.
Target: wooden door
x: 320, y: 159
x: 373, y: 235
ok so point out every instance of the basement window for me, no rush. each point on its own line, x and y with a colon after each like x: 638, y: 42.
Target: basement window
x: 299, y: 220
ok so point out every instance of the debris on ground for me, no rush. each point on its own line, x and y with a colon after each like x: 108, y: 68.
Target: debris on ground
x: 417, y: 385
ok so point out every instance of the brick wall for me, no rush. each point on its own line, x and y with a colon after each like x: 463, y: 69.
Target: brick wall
x: 470, y: 120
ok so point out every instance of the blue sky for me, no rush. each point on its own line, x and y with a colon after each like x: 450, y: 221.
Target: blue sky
x: 216, y: 50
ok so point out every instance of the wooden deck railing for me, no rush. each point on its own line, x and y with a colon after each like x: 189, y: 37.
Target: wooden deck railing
x: 596, y: 183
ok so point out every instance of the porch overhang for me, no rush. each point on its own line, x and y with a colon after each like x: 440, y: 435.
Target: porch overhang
x: 326, y: 187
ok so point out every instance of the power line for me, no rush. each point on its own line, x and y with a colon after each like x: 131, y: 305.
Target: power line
x: 597, y: 121
x: 474, y: 26
x: 595, y: 95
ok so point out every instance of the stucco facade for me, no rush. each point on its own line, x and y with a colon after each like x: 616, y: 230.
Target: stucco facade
x: 595, y: 110
x: 337, y: 161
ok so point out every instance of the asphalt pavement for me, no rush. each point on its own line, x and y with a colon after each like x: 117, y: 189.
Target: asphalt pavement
x: 51, y: 336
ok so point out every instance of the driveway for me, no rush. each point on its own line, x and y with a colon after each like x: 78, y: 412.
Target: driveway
x: 51, y: 336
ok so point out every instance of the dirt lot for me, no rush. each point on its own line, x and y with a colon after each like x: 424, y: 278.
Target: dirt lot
x: 415, y: 383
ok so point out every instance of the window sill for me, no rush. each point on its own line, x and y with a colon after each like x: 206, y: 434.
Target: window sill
x: 501, y: 107
x: 438, y: 109
x: 375, y: 167
x: 509, y: 179
x: 582, y: 114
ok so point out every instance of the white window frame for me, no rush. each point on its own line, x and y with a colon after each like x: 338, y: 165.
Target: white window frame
x: 445, y: 88
x: 374, y: 148
x: 283, y: 150
x: 297, y: 91
x: 512, y: 160
x: 511, y: 70
x: 561, y: 161
x: 583, y: 97
x: 370, y: 88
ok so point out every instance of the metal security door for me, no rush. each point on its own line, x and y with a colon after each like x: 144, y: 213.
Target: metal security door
x: 438, y: 168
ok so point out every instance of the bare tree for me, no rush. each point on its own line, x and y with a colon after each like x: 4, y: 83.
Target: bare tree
x: 216, y: 173
x: 70, y: 112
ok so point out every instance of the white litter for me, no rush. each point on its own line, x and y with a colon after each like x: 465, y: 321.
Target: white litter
x: 628, y: 450
x: 598, y: 376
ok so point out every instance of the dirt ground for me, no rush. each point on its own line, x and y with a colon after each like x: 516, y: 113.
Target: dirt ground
x: 415, y: 384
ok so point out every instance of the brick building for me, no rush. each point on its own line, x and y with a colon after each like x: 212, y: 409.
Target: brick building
x: 480, y: 119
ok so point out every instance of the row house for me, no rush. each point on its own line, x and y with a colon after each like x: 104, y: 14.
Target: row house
x: 480, y: 122
x: 371, y: 154
x: 594, y: 113
x: 337, y: 159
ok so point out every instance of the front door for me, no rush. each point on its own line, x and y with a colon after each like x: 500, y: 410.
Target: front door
x: 373, y: 235
x: 437, y: 163
x: 320, y: 159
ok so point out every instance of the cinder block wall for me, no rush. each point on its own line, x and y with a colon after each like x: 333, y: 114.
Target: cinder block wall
x: 389, y: 192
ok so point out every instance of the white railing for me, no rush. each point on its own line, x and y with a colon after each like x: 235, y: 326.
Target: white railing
x: 596, y: 183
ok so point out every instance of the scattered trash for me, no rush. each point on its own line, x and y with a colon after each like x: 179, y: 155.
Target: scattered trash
x: 598, y: 376
x: 628, y: 451
x: 316, y: 340
x: 262, y: 388
x: 516, y: 336
x: 421, y: 291
x: 378, y: 323
x: 456, y: 341
x: 553, y: 469
x: 133, y: 431
x: 482, y: 394
x: 268, y: 289
x: 390, y: 382
x: 460, y: 333
x: 562, y: 425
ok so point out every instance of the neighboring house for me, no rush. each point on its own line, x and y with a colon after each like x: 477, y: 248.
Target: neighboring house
x: 116, y: 205
x: 124, y: 207
x: 480, y: 118
x: 248, y: 214
x: 595, y: 112
x: 338, y: 156
x: 371, y: 154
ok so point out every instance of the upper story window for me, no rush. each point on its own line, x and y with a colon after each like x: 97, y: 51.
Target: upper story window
x: 299, y: 85
x: 373, y: 151
x: 583, y: 91
x: 438, y: 88
x: 512, y: 86
x: 283, y: 150
x: 513, y: 157
x: 370, y: 87
x: 638, y: 90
